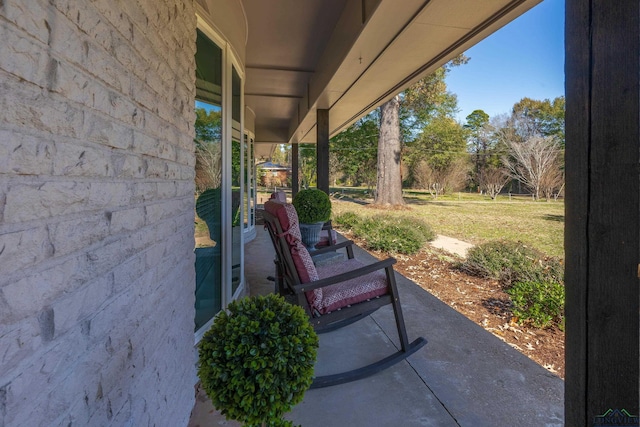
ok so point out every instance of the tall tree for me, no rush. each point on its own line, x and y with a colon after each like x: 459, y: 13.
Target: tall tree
x: 281, y: 154
x: 356, y: 148
x: 478, y: 142
x: 421, y: 102
x: 540, y: 118
x: 208, y: 129
x: 308, y: 165
x: 208, y: 125
x: 389, y: 185
x: 439, y: 160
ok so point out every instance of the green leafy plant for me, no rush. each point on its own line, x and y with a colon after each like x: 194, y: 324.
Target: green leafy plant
x: 257, y: 359
x: 388, y: 233
x: 312, y: 205
x: 347, y: 220
x: 512, y: 262
x: 538, y: 303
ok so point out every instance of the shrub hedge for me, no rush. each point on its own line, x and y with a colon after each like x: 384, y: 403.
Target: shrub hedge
x: 533, y: 281
x: 512, y: 262
x: 395, y: 234
x: 538, y: 303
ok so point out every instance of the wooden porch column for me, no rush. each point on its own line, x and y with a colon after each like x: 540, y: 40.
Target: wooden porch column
x: 602, y: 221
x: 295, y: 172
x: 322, y: 149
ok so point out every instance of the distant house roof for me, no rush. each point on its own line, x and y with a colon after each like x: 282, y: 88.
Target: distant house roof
x: 272, y: 166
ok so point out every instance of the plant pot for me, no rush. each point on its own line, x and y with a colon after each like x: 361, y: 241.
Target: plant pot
x: 311, y: 234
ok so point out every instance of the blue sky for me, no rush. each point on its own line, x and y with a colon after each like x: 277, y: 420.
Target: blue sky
x: 523, y: 59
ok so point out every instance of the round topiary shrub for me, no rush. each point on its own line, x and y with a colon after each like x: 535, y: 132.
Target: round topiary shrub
x: 312, y: 205
x: 257, y: 359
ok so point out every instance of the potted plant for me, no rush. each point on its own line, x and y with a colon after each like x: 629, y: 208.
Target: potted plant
x: 257, y: 359
x: 314, y: 209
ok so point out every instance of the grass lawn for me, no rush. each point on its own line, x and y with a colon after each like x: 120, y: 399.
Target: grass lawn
x: 477, y: 219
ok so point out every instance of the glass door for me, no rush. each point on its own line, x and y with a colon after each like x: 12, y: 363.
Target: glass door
x: 208, y: 215
x: 237, y: 169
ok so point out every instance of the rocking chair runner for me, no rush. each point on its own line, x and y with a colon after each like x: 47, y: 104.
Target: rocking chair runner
x: 335, y: 295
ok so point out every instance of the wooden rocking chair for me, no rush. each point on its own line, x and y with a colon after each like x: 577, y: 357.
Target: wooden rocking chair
x: 334, y: 295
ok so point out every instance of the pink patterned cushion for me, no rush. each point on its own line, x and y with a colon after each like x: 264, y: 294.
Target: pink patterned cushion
x: 288, y: 219
x: 324, y: 238
x: 332, y: 297
x: 279, y: 196
x: 351, y: 291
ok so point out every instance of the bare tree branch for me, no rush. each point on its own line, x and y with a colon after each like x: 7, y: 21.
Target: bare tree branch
x: 531, y: 161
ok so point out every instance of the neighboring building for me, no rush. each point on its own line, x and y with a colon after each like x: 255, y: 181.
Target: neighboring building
x: 273, y: 174
x: 99, y: 307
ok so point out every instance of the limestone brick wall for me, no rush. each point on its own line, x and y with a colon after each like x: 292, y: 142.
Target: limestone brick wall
x: 96, y: 212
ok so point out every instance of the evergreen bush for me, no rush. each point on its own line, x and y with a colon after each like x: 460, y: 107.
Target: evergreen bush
x: 257, y: 359
x: 512, y: 262
x: 538, y: 303
x: 312, y: 205
x: 348, y: 220
x: 388, y: 233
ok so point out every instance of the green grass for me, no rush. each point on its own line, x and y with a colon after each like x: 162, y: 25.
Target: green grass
x: 478, y: 219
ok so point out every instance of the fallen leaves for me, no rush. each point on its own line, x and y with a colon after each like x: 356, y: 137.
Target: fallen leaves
x: 484, y: 302
x: 481, y: 300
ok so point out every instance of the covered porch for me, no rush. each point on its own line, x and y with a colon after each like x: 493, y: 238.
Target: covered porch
x: 464, y: 376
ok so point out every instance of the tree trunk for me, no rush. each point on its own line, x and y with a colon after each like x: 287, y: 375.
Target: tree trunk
x: 389, y: 186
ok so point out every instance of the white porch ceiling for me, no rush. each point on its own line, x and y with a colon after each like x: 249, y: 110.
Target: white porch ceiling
x: 350, y: 56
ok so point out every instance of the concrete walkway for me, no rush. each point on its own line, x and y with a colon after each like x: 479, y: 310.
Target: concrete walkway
x: 464, y: 376
x: 451, y: 245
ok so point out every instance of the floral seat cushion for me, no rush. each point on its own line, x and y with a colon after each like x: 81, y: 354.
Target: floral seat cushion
x: 351, y: 291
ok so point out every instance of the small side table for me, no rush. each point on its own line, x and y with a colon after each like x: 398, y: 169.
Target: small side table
x: 327, y: 258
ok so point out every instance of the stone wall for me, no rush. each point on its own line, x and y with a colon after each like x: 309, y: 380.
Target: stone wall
x: 96, y: 212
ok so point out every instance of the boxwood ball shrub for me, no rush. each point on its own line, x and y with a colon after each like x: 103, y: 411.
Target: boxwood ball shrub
x: 312, y: 205
x: 257, y: 359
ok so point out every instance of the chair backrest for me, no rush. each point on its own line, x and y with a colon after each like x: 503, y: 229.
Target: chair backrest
x: 279, y: 196
x: 296, y: 264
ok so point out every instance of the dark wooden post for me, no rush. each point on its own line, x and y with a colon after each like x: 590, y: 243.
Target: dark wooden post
x: 295, y: 170
x: 602, y: 232
x: 322, y: 149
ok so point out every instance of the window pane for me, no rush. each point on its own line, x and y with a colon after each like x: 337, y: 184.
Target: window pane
x: 248, y: 183
x: 236, y: 178
x: 208, y: 129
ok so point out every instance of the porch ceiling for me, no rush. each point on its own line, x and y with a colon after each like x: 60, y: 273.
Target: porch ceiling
x: 350, y: 56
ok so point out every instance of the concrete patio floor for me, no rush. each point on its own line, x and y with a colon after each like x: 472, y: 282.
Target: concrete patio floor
x: 464, y: 376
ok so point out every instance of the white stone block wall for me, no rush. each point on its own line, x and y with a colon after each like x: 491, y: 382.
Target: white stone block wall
x: 96, y: 212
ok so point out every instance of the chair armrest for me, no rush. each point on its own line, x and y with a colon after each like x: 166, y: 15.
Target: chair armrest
x: 332, y: 248
x: 328, y: 281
